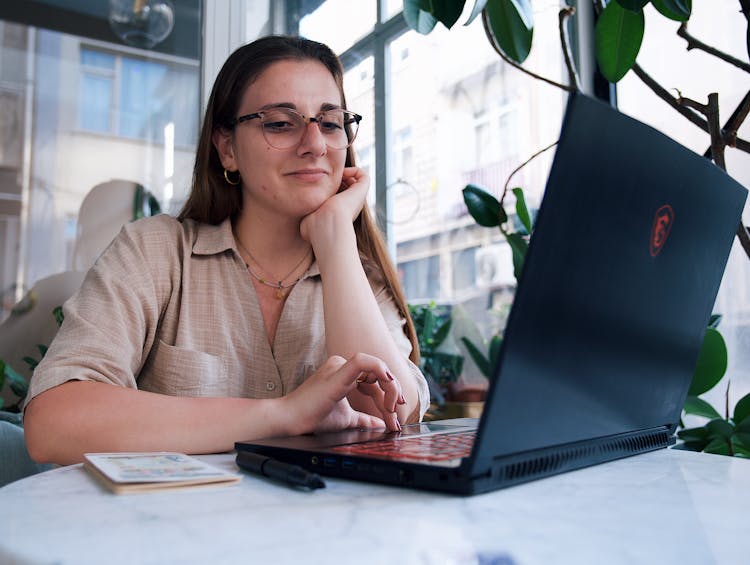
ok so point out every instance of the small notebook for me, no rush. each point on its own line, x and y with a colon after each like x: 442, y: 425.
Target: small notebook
x: 152, y: 471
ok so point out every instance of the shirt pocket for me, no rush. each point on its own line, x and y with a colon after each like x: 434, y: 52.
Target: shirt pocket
x: 184, y: 372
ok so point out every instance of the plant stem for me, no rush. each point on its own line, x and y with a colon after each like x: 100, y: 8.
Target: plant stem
x: 726, y: 400
x: 745, y: 9
x: 734, y: 122
x: 711, y: 111
x: 512, y: 63
x: 563, y: 16
x: 693, y: 43
x: 521, y: 166
x: 662, y: 93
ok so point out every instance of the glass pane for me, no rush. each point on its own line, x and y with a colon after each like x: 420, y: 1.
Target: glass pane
x: 664, y: 56
x: 339, y: 23
x: 459, y: 115
x: 99, y: 112
x: 96, y: 103
x: 392, y: 7
x: 359, y: 90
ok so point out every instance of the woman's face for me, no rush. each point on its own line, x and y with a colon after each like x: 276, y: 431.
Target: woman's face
x: 293, y: 182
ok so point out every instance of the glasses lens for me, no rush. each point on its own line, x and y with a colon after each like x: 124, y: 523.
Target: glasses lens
x: 339, y: 128
x: 284, y: 128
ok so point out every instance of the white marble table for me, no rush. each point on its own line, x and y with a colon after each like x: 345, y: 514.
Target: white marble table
x: 663, y: 507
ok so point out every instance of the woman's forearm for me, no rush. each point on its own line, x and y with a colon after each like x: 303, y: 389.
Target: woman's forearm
x: 353, y: 320
x: 77, y: 417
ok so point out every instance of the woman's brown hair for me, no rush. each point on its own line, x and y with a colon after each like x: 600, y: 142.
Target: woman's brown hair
x: 212, y: 200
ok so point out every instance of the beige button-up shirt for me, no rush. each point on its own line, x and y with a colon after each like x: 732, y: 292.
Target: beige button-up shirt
x: 169, y: 308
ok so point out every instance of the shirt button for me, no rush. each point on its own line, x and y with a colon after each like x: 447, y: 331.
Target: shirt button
x: 270, y: 386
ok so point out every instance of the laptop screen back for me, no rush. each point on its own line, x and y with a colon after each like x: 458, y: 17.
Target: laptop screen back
x: 619, y: 283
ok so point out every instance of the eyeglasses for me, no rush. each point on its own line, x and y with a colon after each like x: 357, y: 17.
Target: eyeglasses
x: 284, y: 128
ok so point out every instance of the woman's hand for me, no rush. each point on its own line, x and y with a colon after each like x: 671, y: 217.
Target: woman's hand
x: 344, y: 206
x: 320, y: 403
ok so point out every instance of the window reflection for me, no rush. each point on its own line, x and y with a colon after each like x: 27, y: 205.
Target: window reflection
x: 459, y: 115
x: 90, y: 112
x: 339, y: 23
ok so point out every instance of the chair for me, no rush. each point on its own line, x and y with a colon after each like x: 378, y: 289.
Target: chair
x: 103, y: 211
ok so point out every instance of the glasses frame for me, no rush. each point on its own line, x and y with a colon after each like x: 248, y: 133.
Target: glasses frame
x: 349, y: 118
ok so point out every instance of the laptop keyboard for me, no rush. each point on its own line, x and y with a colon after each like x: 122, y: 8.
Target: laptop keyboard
x: 439, y: 447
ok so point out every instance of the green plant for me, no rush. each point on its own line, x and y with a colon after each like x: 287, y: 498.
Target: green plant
x: 16, y: 382
x: 488, y: 211
x: 439, y: 367
x: 620, y: 25
x: 725, y: 435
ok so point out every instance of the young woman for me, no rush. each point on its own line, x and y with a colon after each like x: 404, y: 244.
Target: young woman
x: 268, y: 308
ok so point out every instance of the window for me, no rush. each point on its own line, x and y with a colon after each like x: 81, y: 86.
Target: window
x: 421, y: 278
x: 76, y: 112
x: 136, y: 98
x: 442, y: 111
x: 339, y: 23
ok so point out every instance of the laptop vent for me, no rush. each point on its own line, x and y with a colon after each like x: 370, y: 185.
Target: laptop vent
x: 581, y: 456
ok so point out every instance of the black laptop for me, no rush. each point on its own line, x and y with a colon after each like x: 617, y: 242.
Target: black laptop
x: 622, y: 272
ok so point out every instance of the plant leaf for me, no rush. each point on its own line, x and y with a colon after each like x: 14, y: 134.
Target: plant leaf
x: 481, y: 361
x: 522, y: 210
x: 418, y: 17
x: 478, y: 7
x: 429, y: 327
x: 512, y: 24
x: 633, y: 5
x: 618, y: 37
x: 689, y: 446
x: 677, y: 10
x: 712, y: 363
x: 16, y: 382
x: 719, y: 428
x: 442, y: 332
x: 57, y: 312
x: 31, y: 362
x: 699, y: 407
x: 742, y: 431
x: 447, y: 12
x: 483, y: 207
x: 740, y: 447
x: 495, y: 344
x: 742, y: 410
x: 714, y: 321
x: 519, y: 247
x: 693, y: 434
x: 20, y: 389
x: 719, y: 446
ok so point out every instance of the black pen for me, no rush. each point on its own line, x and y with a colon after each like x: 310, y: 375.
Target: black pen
x: 274, y: 469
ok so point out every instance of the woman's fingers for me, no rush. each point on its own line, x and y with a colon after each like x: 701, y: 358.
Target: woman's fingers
x: 338, y: 377
x: 370, y: 376
x: 378, y: 397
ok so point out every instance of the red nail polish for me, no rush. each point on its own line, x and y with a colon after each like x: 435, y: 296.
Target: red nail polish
x: 388, y: 374
x: 401, y: 399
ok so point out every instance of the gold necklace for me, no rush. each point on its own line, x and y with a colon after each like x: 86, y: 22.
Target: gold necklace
x: 279, y: 286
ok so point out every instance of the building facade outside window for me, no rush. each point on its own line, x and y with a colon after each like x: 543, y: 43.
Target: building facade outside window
x: 78, y: 112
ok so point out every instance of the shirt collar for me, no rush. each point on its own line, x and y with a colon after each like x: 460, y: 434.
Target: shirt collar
x: 213, y: 240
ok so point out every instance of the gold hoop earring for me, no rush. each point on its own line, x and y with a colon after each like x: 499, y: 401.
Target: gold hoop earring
x: 231, y: 181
